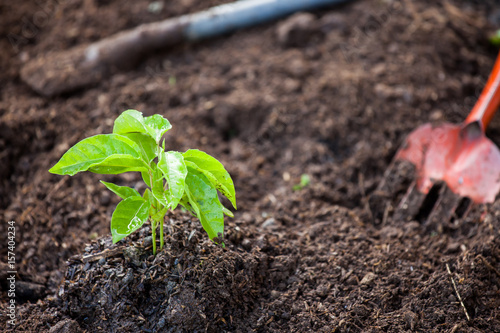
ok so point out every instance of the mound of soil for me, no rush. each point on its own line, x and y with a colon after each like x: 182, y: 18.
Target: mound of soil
x: 330, y: 94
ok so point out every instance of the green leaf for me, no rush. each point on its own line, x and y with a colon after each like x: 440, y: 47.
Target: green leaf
x: 117, y: 164
x: 305, y: 180
x: 227, y: 211
x: 174, y: 169
x: 147, y: 195
x: 203, y: 199
x: 104, y: 153
x: 157, y: 126
x: 129, y: 215
x: 157, y: 187
x: 146, y: 144
x: 123, y: 192
x: 495, y: 39
x: 132, y: 121
x: 184, y: 202
x: 146, y: 178
x: 213, y: 170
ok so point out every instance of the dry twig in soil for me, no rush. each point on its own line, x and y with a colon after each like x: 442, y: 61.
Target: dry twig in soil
x: 456, y: 291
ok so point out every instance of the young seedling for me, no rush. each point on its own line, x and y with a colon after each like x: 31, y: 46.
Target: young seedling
x: 305, y: 180
x: 189, y: 179
x: 495, y: 39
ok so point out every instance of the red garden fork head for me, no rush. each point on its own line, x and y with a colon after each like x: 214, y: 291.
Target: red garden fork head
x: 460, y: 155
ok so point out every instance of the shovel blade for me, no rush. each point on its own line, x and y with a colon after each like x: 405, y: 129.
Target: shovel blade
x: 460, y: 155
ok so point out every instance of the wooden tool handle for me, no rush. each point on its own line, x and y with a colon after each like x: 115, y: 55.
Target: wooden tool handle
x: 488, y: 102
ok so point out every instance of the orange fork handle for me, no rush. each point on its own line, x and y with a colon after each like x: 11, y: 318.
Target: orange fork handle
x: 488, y: 102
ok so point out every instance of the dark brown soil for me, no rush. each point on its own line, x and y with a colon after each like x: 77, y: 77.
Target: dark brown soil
x: 332, y: 98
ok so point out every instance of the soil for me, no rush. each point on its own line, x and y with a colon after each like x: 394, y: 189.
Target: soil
x: 330, y: 94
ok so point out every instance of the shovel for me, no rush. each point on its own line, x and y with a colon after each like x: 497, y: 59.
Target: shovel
x: 459, y: 156
x: 61, y: 72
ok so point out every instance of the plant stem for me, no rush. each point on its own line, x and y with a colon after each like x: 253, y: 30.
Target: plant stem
x: 161, y: 232
x: 153, y: 232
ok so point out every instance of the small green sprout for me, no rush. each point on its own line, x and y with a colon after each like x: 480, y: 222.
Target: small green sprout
x: 172, y: 80
x: 495, y: 39
x: 189, y: 179
x: 304, y: 181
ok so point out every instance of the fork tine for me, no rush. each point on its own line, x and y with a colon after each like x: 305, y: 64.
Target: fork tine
x: 445, y: 209
x: 397, y: 177
x: 398, y: 197
x: 410, y: 205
